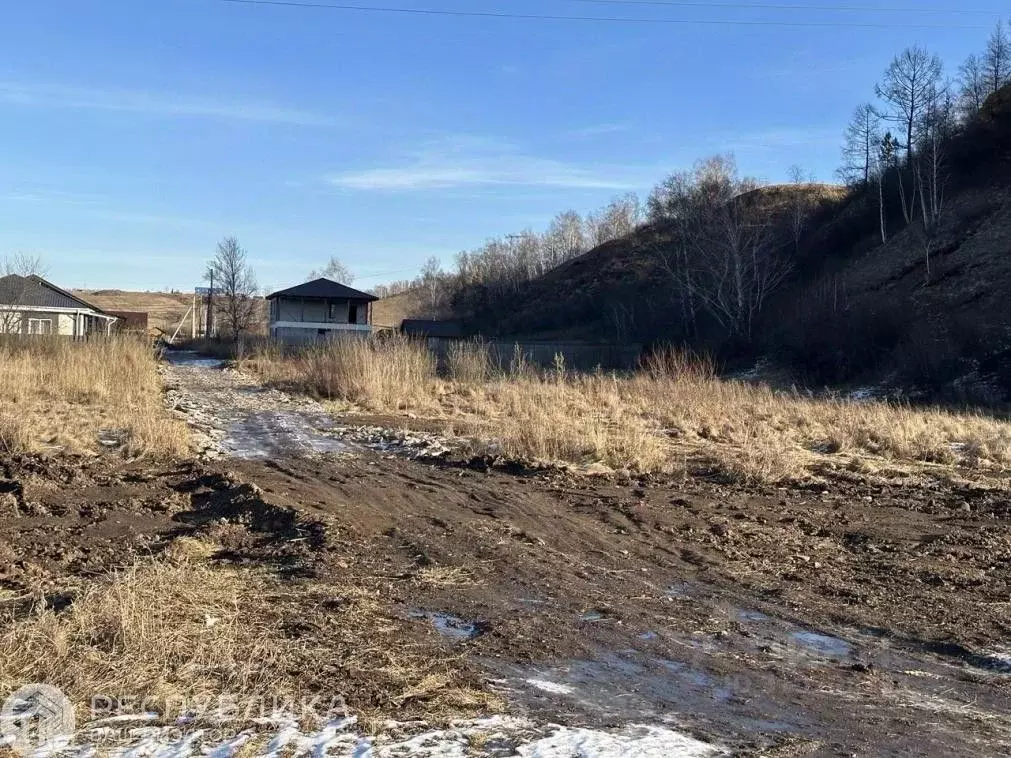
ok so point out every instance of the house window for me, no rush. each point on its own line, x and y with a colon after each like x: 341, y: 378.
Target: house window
x: 40, y: 326
x: 336, y: 312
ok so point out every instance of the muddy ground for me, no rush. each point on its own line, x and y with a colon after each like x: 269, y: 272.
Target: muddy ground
x: 838, y: 619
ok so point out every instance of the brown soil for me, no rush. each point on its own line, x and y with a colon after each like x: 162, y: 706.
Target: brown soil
x: 689, y: 602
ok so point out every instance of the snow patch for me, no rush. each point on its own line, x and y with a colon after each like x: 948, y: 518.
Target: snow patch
x: 631, y: 742
x: 497, y: 735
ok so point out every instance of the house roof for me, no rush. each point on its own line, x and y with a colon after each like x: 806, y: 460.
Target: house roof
x: 417, y: 327
x: 324, y: 289
x: 36, y: 292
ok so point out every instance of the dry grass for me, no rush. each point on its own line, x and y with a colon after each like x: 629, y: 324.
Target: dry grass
x: 674, y: 412
x: 378, y: 375
x: 61, y: 393
x: 180, y: 633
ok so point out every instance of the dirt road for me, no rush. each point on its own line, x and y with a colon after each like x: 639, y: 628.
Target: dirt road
x: 841, y: 619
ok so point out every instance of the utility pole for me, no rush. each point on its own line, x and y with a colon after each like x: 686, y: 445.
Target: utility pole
x: 210, y: 307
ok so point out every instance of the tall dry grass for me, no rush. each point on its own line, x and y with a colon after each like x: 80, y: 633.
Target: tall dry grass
x: 60, y: 393
x: 179, y: 632
x: 674, y: 411
x: 385, y: 375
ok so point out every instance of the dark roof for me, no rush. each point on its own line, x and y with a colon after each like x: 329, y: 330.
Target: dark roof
x: 417, y: 327
x: 324, y: 289
x: 36, y: 292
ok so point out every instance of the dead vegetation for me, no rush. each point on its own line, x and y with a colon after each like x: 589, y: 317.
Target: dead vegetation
x: 60, y: 394
x: 672, y: 414
x: 180, y: 633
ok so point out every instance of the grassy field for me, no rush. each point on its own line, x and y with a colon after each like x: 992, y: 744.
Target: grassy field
x: 56, y: 394
x: 674, y: 414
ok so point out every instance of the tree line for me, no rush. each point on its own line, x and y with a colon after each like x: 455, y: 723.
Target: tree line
x: 722, y: 255
x: 897, y: 145
x: 503, y: 264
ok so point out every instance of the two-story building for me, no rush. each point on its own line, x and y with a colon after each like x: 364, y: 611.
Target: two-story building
x: 319, y: 310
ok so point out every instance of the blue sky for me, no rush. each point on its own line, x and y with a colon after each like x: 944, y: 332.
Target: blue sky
x: 137, y: 133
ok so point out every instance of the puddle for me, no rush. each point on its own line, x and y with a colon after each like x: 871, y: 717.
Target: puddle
x: 272, y: 433
x: 648, y: 636
x: 824, y: 644
x: 192, y: 358
x: 999, y: 663
x: 593, y: 615
x: 448, y: 626
x: 746, y: 615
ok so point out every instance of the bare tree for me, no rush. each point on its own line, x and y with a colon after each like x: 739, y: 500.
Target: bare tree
x: 234, y: 284
x: 996, y: 63
x: 618, y: 219
x: 432, y: 280
x: 20, y: 267
x: 564, y: 240
x: 721, y: 253
x: 863, y: 135
x: 931, y: 170
x: 972, y: 85
x: 909, y: 85
x: 336, y: 270
x: 800, y: 203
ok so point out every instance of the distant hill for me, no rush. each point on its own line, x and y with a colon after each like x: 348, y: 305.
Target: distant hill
x: 390, y: 311
x: 165, y: 310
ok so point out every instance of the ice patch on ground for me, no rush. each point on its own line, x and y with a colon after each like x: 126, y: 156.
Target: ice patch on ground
x: 553, y: 687
x: 481, y: 738
x: 833, y: 647
x: 193, y: 359
x: 448, y: 626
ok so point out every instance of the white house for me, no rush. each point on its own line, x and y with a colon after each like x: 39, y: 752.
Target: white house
x: 318, y: 310
x: 31, y: 305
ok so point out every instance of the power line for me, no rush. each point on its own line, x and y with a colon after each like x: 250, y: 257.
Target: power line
x: 787, y: 7
x: 596, y: 19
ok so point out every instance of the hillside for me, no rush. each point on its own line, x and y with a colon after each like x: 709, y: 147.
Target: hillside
x: 851, y: 308
x: 620, y: 290
x: 165, y: 309
x: 390, y: 311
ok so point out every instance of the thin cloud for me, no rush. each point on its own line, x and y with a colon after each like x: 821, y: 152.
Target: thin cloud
x: 467, y: 161
x: 132, y: 101
x: 777, y: 138
x: 600, y: 130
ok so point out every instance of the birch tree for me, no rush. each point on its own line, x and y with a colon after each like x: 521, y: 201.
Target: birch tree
x: 564, y: 240
x: 996, y: 63
x: 720, y: 254
x: 973, y: 86
x: 931, y: 169
x: 863, y: 135
x: 910, y: 83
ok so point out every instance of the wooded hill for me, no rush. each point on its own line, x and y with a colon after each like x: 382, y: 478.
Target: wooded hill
x: 845, y: 307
